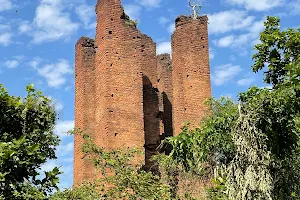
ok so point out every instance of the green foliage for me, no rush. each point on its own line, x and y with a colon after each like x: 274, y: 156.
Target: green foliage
x: 248, y: 174
x: 278, y: 49
x: 121, y: 175
x: 209, y: 145
x: 249, y: 150
x: 253, y: 151
x: 26, y: 142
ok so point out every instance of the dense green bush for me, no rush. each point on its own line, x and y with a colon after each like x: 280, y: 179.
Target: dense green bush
x: 26, y: 142
x: 260, y: 140
x: 243, y: 150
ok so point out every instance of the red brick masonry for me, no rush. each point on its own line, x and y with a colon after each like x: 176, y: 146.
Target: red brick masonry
x: 125, y: 95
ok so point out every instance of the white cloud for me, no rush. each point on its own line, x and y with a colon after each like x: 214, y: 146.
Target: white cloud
x: 226, y: 21
x: 240, y: 41
x: 257, y: 5
x: 65, y: 149
x: 62, y: 127
x: 171, y: 28
x: 225, y: 41
x: 35, y: 62
x: 245, y: 81
x: 25, y: 27
x: 86, y: 13
x: 5, y: 5
x: 5, y: 39
x: 211, y: 54
x: 225, y: 73
x: 4, y: 27
x: 50, y: 165
x: 133, y: 11
x: 149, y: 3
x: 54, y: 73
x: 163, y: 20
x: 52, y: 22
x: 295, y: 7
x: 164, y: 47
x: 11, y: 64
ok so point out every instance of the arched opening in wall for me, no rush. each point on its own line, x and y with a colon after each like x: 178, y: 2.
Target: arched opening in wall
x: 151, y: 122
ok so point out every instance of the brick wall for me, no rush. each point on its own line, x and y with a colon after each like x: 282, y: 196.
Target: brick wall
x: 126, y: 96
x: 125, y: 74
x: 164, y: 85
x: 191, y: 71
x: 84, y: 104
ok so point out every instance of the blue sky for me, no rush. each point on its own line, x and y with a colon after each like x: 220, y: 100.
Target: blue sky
x: 37, y: 39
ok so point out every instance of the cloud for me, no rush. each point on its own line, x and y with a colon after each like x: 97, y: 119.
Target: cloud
x: 5, y: 39
x: 211, y: 54
x: 230, y: 20
x: 257, y: 5
x: 163, y: 20
x: 54, y: 73
x: 25, y: 27
x: 225, y: 73
x: 4, y: 27
x: 149, y: 3
x: 11, y: 64
x: 294, y: 7
x: 245, y: 81
x: 171, y: 28
x: 164, y: 47
x: 133, y: 11
x: 50, y: 165
x: 225, y: 41
x: 86, y: 14
x: 65, y: 149
x: 62, y: 127
x: 35, y: 62
x: 240, y: 41
x: 52, y: 22
x: 5, y: 5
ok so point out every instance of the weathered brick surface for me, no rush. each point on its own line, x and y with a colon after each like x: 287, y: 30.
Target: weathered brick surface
x: 164, y: 85
x: 126, y: 96
x: 125, y: 102
x: 84, y: 104
x: 191, y: 72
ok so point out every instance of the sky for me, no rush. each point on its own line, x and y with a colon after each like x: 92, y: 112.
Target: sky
x: 37, y: 41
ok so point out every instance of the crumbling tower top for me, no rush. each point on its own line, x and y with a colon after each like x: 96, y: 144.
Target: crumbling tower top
x: 182, y: 19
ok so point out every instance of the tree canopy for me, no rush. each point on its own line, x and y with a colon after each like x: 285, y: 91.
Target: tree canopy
x: 26, y: 142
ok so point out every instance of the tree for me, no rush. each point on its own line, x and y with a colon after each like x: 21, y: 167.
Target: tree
x: 263, y: 135
x: 245, y: 150
x: 26, y: 142
x: 120, y: 176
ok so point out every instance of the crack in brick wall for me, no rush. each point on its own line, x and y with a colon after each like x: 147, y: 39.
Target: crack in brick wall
x: 126, y: 96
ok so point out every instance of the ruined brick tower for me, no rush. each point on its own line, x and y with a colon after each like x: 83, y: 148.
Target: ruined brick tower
x: 125, y: 95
